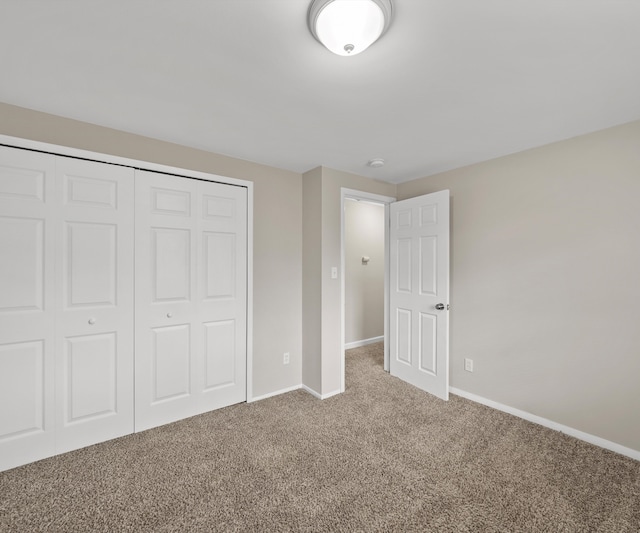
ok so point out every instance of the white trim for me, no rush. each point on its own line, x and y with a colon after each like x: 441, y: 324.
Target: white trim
x: 318, y: 395
x: 249, y: 369
x: 57, y: 149
x: 367, y: 197
x: 275, y: 393
x: 28, y: 144
x: 581, y: 435
x: 387, y: 258
x: 364, y: 342
x: 312, y: 392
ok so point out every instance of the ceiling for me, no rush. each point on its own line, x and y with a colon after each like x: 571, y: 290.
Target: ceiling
x: 453, y: 82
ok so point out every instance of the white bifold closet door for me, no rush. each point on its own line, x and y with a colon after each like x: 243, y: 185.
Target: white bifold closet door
x: 66, y: 304
x: 27, y: 327
x: 191, y: 297
x: 94, y: 340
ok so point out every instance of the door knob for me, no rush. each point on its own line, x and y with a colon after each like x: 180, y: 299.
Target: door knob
x: 169, y: 315
x: 92, y: 321
x: 439, y: 307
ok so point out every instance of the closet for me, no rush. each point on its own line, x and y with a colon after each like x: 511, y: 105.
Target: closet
x: 123, y: 301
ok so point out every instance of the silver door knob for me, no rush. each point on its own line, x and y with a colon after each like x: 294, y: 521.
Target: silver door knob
x: 169, y: 315
x: 439, y: 307
x: 92, y: 321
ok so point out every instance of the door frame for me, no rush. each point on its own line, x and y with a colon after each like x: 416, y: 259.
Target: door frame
x: 353, y: 194
x: 56, y: 149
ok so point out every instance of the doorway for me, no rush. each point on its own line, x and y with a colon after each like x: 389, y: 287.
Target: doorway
x: 363, y: 273
x: 350, y: 323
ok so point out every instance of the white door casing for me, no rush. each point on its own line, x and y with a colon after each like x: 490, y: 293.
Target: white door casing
x: 354, y: 194
x: 419, y: 292
x: 191, y: 297
x: 27, y: 314
x: 94, y: 339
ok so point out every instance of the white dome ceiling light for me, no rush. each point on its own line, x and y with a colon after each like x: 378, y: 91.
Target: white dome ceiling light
x: 348, y: 27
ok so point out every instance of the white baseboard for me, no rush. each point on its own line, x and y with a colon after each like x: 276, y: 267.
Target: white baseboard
x: 318, y: 395
x: 275, y: 393
x: 358, y: 344
x: 587, y: 437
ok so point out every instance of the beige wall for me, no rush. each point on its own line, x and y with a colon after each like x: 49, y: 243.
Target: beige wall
x: 322, y: 187
x: 277, y: 228
x: 545, y: 264
x: 364, y: 283
x: 312, y: 279
x: 545, y: 291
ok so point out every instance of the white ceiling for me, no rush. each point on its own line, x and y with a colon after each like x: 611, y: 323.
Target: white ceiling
x: 453, y: 82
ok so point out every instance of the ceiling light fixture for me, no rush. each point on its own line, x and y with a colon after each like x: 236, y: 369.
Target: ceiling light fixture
x: 348, y: 27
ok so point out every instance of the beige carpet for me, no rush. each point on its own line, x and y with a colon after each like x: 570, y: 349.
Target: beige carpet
x: 381, y: 457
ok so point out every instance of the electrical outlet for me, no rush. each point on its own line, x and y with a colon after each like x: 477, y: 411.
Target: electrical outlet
x: 285, y: 358
x: 468, y: 365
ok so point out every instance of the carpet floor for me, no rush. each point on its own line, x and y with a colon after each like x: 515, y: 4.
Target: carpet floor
x: 383, y: 456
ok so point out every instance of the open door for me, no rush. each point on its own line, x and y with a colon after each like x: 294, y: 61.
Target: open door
x: 419, y: 292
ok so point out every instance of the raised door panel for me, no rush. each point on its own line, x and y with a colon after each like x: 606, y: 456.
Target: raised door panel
x: 428, y: 265
x: 171, y: 363
x: 22, y: 176
x: 94, y: 399
x: 403, y: 336
x: 172, y: 199
x: 403, y: 279
x: 22, y: 389
x: 90, y: 265
x: 220, y: 354
x: 219, y: 269
x: 171, y: 260
x: 427, y: 346
x: 22, y: 269
x: 90, y: 377
x: 27, y: 314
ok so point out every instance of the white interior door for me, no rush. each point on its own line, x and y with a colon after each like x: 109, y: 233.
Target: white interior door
x: 27, y: 314
x: 94, y: 385
x: 191, y: 284
x: 419, y: 292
